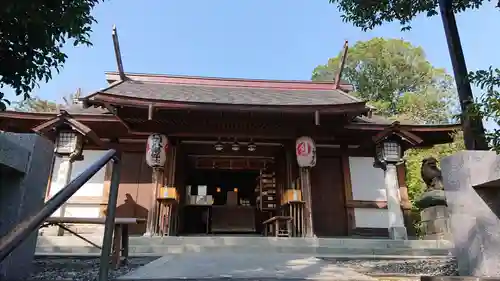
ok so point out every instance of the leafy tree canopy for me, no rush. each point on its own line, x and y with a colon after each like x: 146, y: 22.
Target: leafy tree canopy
x: 32, y: 34
x: 395, y: 77
x: 368, y: 14
x: 488, y: 105
x: 36, y: 104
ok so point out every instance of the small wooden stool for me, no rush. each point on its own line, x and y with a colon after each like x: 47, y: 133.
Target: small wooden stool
x: 281, y: 226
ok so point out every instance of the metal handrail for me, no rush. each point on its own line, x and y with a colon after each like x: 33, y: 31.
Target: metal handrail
x: 24, y: 229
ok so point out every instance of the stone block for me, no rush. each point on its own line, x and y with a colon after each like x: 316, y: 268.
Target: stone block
x: 433, y: 213
x: 12, y: 156
x: 398, y: 233
x: 436, y: 226
x: 22, y: 194
x: 456, y: 278
x: 474, y: 225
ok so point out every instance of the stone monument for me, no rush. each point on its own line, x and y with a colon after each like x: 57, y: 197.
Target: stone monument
x: 25, y: 162
x: 472, y: 185
x: 434, y: 211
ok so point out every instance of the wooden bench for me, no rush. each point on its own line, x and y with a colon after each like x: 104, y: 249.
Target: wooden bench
x: 281, y: 226
x: 120, y: 247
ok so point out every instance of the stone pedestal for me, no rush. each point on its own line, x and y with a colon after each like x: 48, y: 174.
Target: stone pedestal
x: 436, y: 223
x: 397, y: 229
x: 472, y: 187
x: 25, y: 162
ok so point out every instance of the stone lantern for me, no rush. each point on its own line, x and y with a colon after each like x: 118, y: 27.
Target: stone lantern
x: 388, y: 155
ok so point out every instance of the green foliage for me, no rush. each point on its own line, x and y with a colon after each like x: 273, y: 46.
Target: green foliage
x: 395, y: 77
x: 368, y: 14
x: 37, y: 104
x: 488, y: 105
x: 32, y: 34
x: 414, y: 159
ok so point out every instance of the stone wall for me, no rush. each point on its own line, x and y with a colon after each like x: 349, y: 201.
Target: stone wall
x: 25, y: 162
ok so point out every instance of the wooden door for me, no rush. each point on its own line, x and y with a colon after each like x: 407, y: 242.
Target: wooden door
x: 144, y: 193
x: 127, y: 191
x: 327, y: 194
x: 135, y: 190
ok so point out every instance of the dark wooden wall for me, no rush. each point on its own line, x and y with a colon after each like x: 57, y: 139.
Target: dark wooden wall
x: 328, y: 202
x: 135, y: 191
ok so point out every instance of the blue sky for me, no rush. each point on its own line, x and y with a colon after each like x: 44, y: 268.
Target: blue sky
x: 278, y: 39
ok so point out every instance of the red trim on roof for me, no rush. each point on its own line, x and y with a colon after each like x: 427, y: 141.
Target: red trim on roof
x: 229, y: 82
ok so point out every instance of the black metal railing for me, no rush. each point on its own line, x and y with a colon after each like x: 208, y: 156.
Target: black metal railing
x: 24, y: 229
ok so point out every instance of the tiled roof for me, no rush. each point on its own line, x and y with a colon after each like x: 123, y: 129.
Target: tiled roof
x: 374, y: 119
x: 78, y: 109
x: 229, y: 95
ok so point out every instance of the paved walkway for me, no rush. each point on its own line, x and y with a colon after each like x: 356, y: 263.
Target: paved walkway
x: 243, y: 266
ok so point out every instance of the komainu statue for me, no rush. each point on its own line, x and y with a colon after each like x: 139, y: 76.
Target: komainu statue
x: 434, y: 193
x: 431, y: 174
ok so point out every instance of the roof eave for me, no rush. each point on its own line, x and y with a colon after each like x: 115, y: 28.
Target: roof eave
x: 416, y: 127
x: 44, y: 116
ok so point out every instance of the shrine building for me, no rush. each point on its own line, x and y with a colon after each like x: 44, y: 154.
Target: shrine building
x: 230, y: 151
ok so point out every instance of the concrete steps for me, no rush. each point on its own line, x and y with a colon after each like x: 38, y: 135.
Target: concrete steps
x: 329, y: 247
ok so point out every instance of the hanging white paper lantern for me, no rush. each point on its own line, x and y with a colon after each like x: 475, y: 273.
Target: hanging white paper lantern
x: 156, y: 150
x: 305, y: 150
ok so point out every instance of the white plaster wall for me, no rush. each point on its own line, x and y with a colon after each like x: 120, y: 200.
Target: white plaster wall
x: 373, y: 218
x: 367, y: 181
x: 93, y: 187
x: 82, y: 211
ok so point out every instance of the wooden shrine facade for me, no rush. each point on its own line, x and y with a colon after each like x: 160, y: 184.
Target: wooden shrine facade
x: 196, y: 113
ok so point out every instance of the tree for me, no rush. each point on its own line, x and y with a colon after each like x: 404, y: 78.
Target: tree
x: 32, y: 34
x: 488, y: 105
x: 368, y: 14
x: 36, y: 104
x: 396, y: 78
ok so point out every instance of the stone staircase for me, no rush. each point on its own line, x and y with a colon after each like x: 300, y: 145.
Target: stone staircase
x: 268, y: 257
x: 328, y: 247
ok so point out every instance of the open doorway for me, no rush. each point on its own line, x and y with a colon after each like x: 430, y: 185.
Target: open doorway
x: 232, y: 195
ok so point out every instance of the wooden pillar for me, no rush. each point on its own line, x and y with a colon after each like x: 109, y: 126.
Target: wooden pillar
x: 346, y: 172
x: 405, y: 201
x: 170, y: 182
x: 305, y: 180
x: 152, y: 221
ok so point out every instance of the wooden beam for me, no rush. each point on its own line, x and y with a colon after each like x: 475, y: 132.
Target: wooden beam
x: 366, y: 204
x: 346, y: 171
x: 413, y: 128
x: 305, y: 180
x: 118, y: 54
x: 338, y: 77
x: 150, y: 111
x: 106, y: 188
x: 405, y: 200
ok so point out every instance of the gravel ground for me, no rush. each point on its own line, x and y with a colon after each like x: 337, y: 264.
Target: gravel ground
x: 87, y: 269
x: 429, y: 267
x: 78, y: 269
